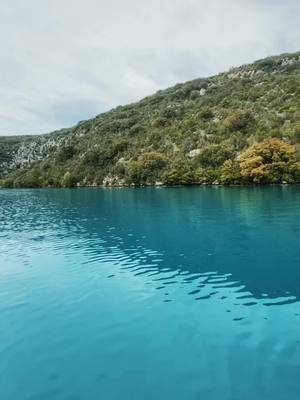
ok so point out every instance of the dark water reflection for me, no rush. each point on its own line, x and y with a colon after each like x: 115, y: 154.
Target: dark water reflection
x: 227, y: 258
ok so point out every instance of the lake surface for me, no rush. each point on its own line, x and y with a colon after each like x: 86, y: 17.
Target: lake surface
x: 175, y: 293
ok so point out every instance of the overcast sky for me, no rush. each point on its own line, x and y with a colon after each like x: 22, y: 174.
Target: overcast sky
x: 62, y: 61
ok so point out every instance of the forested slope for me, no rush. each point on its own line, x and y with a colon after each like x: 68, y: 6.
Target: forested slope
x: 239, y: 127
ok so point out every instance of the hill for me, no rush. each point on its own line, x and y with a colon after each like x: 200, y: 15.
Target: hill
x: 238, y: 127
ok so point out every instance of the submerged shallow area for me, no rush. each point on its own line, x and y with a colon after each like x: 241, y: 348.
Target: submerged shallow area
x: 165, y: 293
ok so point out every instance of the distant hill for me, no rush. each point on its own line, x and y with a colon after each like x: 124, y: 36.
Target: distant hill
x: 241, y: 126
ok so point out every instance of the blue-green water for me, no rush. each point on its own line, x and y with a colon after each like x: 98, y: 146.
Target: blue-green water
x: 150, y: 294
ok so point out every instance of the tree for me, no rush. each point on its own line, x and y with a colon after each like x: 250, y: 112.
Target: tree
x: 270, y: 161
x: 147, y: 168
x: 214, y: 155
x: 239, y: 121
x: 69, y: 180
x: 66, y: 153
x: 230, y: 172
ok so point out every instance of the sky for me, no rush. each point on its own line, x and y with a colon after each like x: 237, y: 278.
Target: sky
x: 62, y: 61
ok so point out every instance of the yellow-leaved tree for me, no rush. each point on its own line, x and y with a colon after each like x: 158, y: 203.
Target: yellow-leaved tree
x: 270, y: 161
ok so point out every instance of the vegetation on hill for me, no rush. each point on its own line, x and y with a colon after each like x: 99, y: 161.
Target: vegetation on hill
x: 239, y: 127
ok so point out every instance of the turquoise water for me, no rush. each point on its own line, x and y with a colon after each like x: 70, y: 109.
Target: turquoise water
x: 150, y: 294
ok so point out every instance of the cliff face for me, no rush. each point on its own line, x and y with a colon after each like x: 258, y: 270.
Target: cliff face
x: 195, y: 132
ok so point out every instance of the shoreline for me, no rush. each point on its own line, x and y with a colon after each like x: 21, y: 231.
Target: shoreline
x: 210, y: 185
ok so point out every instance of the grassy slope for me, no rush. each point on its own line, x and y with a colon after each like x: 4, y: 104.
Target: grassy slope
x: 180, y: 135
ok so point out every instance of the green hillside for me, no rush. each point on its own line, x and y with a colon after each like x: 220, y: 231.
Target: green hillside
x: 239, y: 127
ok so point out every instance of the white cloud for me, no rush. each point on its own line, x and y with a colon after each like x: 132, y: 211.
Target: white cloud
x: 65, y: 60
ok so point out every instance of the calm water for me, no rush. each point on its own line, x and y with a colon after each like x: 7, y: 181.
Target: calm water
x: 150, y: 294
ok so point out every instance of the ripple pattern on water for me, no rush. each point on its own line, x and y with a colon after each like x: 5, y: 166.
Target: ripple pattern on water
x: 150, y: 293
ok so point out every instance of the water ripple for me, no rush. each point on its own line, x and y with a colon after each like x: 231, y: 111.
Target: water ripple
x: 97, y: 286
